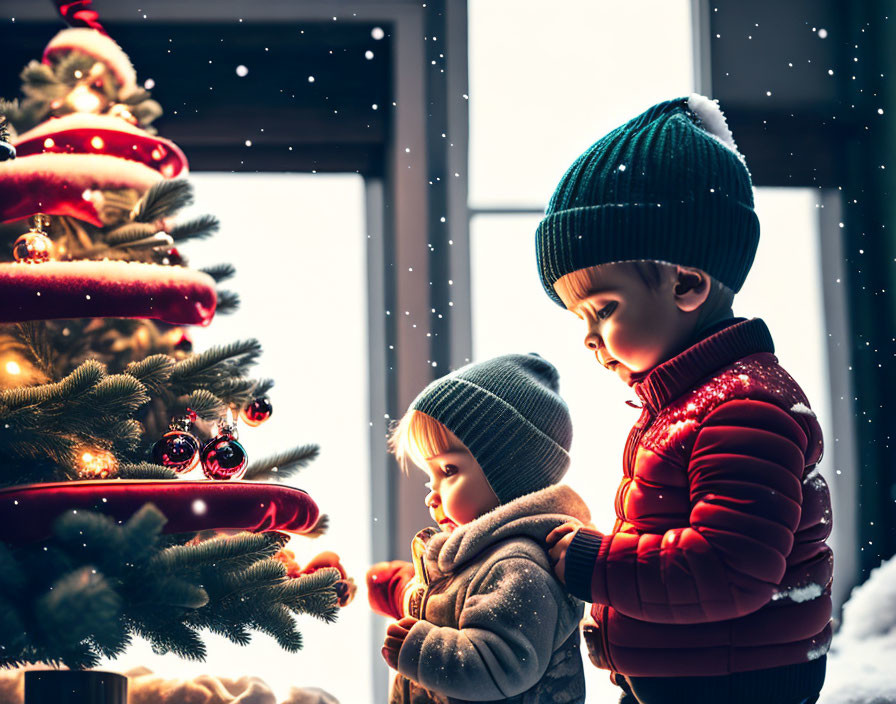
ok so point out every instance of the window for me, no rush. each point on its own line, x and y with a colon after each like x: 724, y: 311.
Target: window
x: 299, y: 247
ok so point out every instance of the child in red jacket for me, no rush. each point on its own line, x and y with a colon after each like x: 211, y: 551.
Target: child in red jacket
x: 714, y: 584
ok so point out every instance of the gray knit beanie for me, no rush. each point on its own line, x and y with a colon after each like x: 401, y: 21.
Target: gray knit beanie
x: 508, y: 413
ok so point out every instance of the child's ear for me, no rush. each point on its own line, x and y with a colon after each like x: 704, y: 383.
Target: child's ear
x: 691, y: 288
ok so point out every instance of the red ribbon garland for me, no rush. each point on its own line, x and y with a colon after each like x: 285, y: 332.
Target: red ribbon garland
x: 79, y: 14
x: 27, y: 512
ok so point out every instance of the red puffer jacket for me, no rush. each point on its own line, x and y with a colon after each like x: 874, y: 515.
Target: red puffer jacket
x: 717, y: 562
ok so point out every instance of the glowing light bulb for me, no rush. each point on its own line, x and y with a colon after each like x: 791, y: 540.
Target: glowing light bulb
x: 97, y: 464
x: 13, y: 368
x: 82, y: 99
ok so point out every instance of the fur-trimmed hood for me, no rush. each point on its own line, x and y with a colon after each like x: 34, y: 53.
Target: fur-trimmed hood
x: 531, y: 516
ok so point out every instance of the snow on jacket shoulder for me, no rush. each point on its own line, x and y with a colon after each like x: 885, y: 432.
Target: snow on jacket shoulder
x: 496, y: 625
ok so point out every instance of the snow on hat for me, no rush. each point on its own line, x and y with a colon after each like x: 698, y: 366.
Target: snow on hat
x: 668, y: 185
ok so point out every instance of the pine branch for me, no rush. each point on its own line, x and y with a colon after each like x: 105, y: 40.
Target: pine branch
x: 234, y: 390
x: 146, y: 112
x: 170, y: 591
x: 203, y: 369
x: 79, y: 604
x: 113, y: 644
x: 278, y: 622
x: 220, y: 272
x: 263, y: 387
x: 141, y: 534
x: 16, y: 405
x: 206, y: 405
x: 117, y: 395
x: 172, y: 637
x: 313, y: 594
x: 243, y: 583
x: 36, y: 73
x: 282, y: 465
x: 12, y: 578
x: 164, y: 199
x: 13, y: 636
x: 145, y: 470
x: 33, y: 335
x: 132, y: 232
x: 231, y: 553
x: 64, y: 71
x: 153, y: 372
x: 198, y: 228
x: 228, y: 302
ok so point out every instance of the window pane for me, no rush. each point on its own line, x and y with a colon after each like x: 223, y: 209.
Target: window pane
x: 281, y: 233
x: 548, y: 79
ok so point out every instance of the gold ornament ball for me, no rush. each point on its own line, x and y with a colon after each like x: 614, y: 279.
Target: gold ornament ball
x: 97, y: 464
x: 33, y: 247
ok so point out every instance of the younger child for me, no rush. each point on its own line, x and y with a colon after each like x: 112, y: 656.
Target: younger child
x: 482, y: 616
x: 714, y: 584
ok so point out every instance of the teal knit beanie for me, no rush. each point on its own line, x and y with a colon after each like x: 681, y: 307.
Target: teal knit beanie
x: 668, y: 185
x: 508, y: 413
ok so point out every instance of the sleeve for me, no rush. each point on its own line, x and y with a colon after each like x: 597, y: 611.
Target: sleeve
x: 386, y: 582
x: 504, y: 641
x: 744, y: 478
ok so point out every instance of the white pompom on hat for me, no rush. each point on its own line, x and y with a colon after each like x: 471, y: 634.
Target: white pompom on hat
x: 713, y: 120
x: 99, y: 46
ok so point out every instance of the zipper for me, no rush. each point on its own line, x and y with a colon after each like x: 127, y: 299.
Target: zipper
x: 634, y: 437
x: 431, y: 588
x: 628, y: 455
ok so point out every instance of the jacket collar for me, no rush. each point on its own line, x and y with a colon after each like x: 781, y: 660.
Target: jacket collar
x: 532, y: 515
x: 667, y: 381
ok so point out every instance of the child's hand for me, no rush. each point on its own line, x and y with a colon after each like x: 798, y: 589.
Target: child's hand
x: 395, y: 635
x: 560, y: 538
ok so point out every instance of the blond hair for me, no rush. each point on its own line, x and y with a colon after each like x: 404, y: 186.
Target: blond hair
x: 417, y: 437
x: 579, y: 283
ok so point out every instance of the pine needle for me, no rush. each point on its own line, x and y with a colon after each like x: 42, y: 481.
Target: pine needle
x: 228, y: 302
x: 131, y: 232
x: 220, y: 272
x: 33, y: 336
x: 282, y: 465
x: 198, y: 228
x: 145, y: 470
x: 164, y: 199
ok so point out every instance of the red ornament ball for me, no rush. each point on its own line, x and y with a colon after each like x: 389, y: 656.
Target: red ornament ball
x: 32, y: 247
x: 258, y: 411
x: 224, y: 458
x: 172, y: 257
x: 177, y: 450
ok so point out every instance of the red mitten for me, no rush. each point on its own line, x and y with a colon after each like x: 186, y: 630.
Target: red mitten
x: 386, y: 582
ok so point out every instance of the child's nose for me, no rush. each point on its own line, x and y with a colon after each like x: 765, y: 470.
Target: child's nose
x: 432, y: 499
x: 593, y: 341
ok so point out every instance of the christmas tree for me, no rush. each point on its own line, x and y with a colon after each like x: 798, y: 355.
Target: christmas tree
x: 125, y: 508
